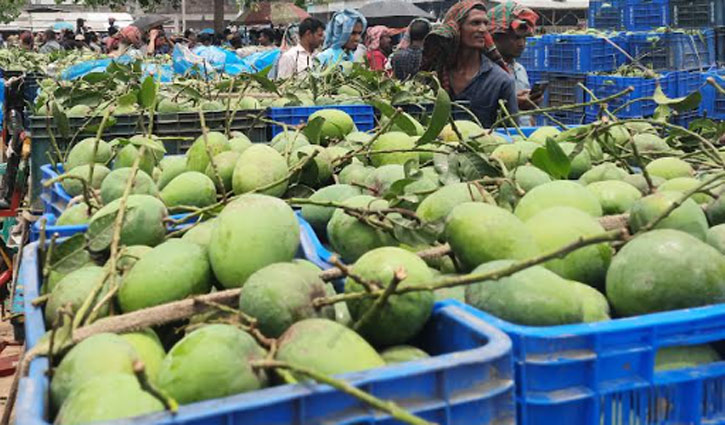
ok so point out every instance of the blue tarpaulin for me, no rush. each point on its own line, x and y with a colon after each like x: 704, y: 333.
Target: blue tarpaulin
x: 163, y: 72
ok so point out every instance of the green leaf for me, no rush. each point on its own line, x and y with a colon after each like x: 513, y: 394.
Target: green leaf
x: 128, y: 99
x: 407, y: 232
x: 150, y: 144
x: 261, y: 78
x: 473, y: 166
x: 679, y: 104
x: 398, y: 188
x: 552, y: 160
x: 402, y: 121
x: 313, y: 129
x: 147, y: 94
x: 70, y: 254
x: 100, y: 231
x: 439, y: 118
x: 411, y: 168
x: 110, y: 122
x: 299, y: 191
x: 61, y: 121
x: 96, y: 77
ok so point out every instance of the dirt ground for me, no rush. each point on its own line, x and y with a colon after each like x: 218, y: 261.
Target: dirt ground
x: 6, y: 334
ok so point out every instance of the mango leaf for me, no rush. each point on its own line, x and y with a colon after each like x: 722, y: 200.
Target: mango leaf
x: 261, y: 78
x: 147, y: 94
x: 679, y: 104
x: 473, y: 166
x: 408, y: 232
x: 85, y: 97
x: 552, y: 160
x: 398, y: 188
x: 96, y: 77
x: 100, y: 231
x: 662, y: 113
x: 313, y: 129
x: 403, y: 122
x: 70, y: 254
x: 128, y: 99
x: 299, y: 191
x: 412, y: 169
x: 61, y: 121
x: 150, y: 144
x: 119, y: 141
x: 110, y: 122
x: 439, y: 118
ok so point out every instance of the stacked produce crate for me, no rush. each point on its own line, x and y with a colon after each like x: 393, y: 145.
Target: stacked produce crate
x: 677, y: 56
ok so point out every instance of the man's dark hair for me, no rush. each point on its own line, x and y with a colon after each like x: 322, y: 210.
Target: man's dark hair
x: 418, y: 30
x: 49, y: 34
x: 269, y: 33
x: 310, y: 24
x: 205, y: 38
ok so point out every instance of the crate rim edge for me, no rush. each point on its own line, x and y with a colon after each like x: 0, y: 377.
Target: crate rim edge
x: 612, y: 325
x: 497, y: 346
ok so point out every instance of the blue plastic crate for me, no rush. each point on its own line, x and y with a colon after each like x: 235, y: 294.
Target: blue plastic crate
x: 713, y: 103
x: 643, y: 15
x: 662, y: 51
x: 362, y: 115
x: 467, y: 381
x: 606, y: 14
x: 55, y: 198
x: 580, y: 53
x: 603, y: 373
x: 535, y: 76
x: 564, y: 90
x: 697, y: 13
x: 607, y: 85
x: 687, y: 82
x: 533, y: 57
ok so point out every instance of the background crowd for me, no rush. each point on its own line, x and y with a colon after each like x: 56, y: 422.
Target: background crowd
x: 472, y: 50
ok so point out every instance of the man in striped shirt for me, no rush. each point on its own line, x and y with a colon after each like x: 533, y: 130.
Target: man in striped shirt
x: 300, y: 58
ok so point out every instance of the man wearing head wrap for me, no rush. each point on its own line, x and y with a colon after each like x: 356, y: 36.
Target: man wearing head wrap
x: 342, y: 37
x: 379, y: 45
x: 464, y: 57
x: 510, y: 24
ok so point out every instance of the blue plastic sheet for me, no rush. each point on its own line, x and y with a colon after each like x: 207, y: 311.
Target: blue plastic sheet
x: 163, y: 72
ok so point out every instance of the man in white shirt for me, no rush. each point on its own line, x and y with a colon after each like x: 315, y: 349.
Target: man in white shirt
x: 300, y: 58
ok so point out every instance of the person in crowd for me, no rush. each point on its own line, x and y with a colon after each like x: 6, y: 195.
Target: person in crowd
x: 342, y: 36
x: 266, y: 38
x: 205, y: 39
x: 159, y: 43
x: 129, y: 41
x: 379, y: 45
x: 81, y: 27
x: 462, y: 53
x: 67, y: 40
x: 51, y: 43
x: 79, y: 42
x: 93, y: 42
x: 510, y: 23
x: 300, y: 57
x: 27, y: 41
x: 112, y: 28
x: 406, y: 60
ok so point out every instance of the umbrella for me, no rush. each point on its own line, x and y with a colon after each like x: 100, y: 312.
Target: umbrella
x: 274, y: 13
x: 60, y: 26
x: 393, y: 13
x: 146, y: 22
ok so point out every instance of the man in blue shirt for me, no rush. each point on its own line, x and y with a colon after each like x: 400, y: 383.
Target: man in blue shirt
x: 463, y: 55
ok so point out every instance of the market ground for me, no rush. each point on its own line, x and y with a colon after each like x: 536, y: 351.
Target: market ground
x: 6, y: 334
